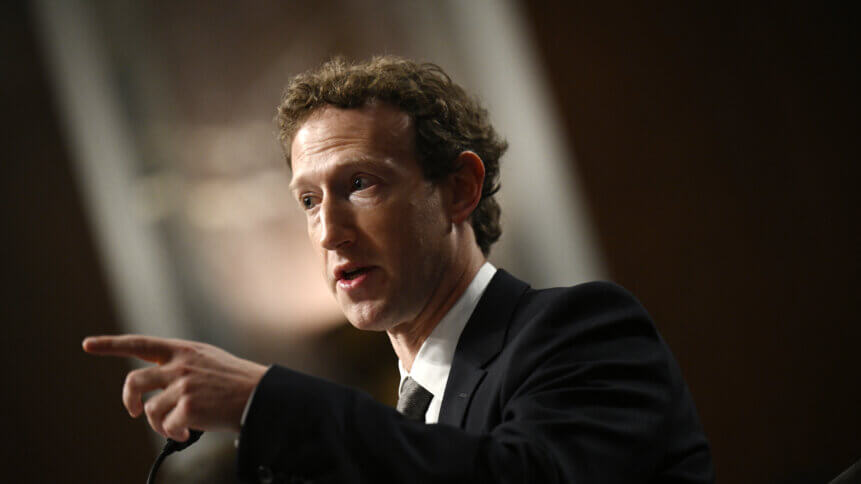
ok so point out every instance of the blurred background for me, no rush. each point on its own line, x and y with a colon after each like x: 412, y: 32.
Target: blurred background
x: 703, y: 156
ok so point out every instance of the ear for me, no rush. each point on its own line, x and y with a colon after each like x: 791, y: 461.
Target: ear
x: 465, y: 186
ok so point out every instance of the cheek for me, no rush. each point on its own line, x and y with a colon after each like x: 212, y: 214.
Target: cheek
x: 312, y: 230
x: 404, y: 227
x: 431, y: 223
x: 413, y: 228
x: 313, y: 238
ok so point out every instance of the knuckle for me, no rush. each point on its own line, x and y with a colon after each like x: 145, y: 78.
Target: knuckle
x: 182, y: 369
x: 132, y: 379
x: 150, y: 408
x: 185, y: 405
x: 190, y: 348
x: 184, y: 385
x: 183, y: 409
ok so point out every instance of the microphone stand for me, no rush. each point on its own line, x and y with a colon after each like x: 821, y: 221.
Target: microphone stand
x: 170, y: 447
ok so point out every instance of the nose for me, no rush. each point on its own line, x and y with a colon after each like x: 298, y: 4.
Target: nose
x: 335, y: 229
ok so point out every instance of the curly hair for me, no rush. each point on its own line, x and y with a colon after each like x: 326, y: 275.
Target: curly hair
x: 447, y: 120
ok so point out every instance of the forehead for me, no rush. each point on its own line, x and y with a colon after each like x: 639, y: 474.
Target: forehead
x: 374, y: 131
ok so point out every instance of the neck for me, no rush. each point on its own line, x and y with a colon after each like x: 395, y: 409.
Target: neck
x: 407, y: 338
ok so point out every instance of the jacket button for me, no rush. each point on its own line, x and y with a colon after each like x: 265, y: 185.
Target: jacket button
x: 264, y: 475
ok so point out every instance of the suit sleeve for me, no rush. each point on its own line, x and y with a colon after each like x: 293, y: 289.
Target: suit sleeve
x: 302, y: 428
x: 589, y: 394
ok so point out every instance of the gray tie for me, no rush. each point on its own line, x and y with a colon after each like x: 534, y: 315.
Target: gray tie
x: 414, y: 400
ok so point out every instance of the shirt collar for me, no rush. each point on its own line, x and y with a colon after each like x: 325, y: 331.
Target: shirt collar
x: 433, y: 361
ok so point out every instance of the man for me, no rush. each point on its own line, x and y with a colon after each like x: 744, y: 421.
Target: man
x: 396, y: 168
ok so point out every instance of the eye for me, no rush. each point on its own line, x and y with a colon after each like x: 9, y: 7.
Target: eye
x: 307, y: 202
x: 361, y: 182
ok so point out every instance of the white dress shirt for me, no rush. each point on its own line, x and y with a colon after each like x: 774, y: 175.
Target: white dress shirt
x: 433, y: 361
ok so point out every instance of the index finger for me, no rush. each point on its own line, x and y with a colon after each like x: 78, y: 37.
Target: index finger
x: 147, y: 348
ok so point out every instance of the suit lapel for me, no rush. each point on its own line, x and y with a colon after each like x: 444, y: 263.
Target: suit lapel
x: 482, y: 339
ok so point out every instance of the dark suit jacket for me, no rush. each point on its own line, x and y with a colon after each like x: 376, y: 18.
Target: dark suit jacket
x: 558, y: 385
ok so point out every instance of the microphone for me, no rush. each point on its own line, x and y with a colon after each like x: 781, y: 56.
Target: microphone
x: 170, y: 447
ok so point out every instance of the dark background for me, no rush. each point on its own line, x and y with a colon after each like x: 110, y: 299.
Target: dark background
x: 716, y: 146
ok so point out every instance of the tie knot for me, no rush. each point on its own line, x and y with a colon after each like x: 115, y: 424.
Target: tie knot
x: 414, y: 400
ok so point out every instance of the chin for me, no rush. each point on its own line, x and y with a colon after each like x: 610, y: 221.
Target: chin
x: 366, y: 318
x: 366, y: 325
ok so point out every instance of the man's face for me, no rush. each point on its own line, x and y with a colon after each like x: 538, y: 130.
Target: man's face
x: 379, y: 225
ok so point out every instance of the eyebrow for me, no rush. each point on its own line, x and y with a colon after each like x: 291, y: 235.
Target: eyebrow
x: 358, y: 162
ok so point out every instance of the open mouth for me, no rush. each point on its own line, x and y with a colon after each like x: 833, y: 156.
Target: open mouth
x: 350, y: 275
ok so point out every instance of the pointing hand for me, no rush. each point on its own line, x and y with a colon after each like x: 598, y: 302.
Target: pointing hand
x: 203, y: 387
